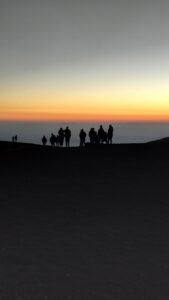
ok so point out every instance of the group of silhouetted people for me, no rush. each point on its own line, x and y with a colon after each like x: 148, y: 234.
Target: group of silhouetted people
x: 96, y: 137
x: 101, y: 136
x: 63, y: 135
x: 14, y: 138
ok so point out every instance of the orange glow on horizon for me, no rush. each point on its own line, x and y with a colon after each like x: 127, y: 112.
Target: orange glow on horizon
x: 85, y: 117
x: 122, y: 103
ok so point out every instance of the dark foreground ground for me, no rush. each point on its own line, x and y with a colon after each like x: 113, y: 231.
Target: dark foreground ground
x: 84, y: 224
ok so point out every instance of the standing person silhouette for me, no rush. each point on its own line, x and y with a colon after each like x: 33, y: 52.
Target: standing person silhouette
x: 67, y: 136
x: 44, y: 140
x: 92, y: 136
x: 52, y: 140
x: 61, y: 136
x: 101, y: 134
x: 82, y: 136
x: 57, y: 141
x: 110, y: 134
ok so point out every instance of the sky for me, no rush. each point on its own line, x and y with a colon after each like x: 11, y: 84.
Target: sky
x: 84, y: 60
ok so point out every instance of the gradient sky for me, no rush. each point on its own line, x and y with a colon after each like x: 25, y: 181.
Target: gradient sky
x: 84, y: 60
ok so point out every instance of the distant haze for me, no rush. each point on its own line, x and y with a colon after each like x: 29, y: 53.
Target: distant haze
x: 32, y: 132
x: 84, y: 60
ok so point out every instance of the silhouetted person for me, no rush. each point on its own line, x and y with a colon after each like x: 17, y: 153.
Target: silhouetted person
x: 61, y: 136
x: 57, y: 141
x: 82, y: 136
x: 101, y: 135
x: 96, y: 138
x: 110, y: 134
x: 13, y: 139
x: 44, y: 140
x: 92, y: 136
x: 67, y: 136
x: 16, y: 138
x: 52, y: 140
x: 105, y: 137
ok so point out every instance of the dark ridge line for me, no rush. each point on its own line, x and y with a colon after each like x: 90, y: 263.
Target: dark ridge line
x: 163, y: 140
x: 154, y: 144
x: 88, y: 145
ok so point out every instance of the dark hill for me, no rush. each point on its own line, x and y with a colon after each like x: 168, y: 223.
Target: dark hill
x: 163, y: 140
x: 88, y: 224
x: 157, y: 149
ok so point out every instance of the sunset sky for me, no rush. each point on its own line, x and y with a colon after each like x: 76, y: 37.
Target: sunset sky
x: 84, y: 60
